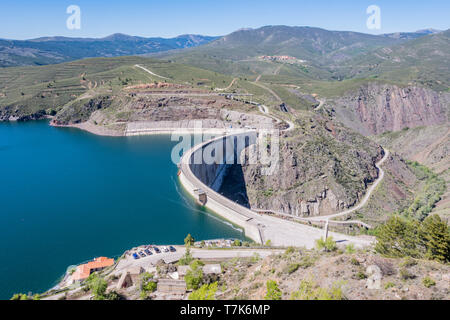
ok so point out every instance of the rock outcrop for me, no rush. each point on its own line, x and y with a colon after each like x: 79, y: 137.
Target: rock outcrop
x: 320, y: 172
x: 376, y: 108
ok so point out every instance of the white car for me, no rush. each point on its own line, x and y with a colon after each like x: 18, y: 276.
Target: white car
x: 165, y: 249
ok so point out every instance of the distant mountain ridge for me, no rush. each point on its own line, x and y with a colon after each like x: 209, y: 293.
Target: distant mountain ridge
x: 51, y: 50
x: 320, y: 49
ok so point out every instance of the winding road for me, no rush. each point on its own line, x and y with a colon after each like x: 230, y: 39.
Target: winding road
x: 260, y: 228
x: 364, y: 200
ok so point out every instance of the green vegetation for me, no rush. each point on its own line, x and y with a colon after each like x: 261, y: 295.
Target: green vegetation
x: 401, y: 237
x: 273, y: 292
x: 148, y: 285
x: 97, y: 285
x: 187, y: 258
x: 237, y: 243
x: 350, y: 248
x: 428, y: 282
x: 309, y: 290
x: 389, y: 285
x: 430, y: 194
x: 194, y: 276
x: 328, y: 245
x: 206, y: 292
x: 291, y: 268
x: 189, y: 240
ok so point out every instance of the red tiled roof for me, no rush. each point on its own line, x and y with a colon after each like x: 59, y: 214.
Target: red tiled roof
x: 83, y: 271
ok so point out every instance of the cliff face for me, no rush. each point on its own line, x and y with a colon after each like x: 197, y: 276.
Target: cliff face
x: 324, y: 168
x: 376, y: 108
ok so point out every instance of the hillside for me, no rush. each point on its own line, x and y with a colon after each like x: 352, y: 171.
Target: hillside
x: 51, y: 50
x: 319, y: 48
x: 424, y: 61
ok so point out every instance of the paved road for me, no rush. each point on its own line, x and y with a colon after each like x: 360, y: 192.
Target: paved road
x: 279, y: 231
x: 364, y: 200
x: 197, y: 253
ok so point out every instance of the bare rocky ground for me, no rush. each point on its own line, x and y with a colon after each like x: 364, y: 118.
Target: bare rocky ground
x: 244, y: 277
x: 400, y: 279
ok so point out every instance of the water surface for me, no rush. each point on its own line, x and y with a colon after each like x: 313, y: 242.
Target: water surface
x: 67, y: 196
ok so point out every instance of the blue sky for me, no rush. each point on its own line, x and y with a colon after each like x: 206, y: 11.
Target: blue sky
x: 168, y: 18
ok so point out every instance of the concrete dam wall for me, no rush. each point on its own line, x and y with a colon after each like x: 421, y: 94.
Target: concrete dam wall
x: 215, y: 160
x: 205, y: 167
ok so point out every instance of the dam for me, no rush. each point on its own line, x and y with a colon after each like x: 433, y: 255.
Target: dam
x: 205, y: 167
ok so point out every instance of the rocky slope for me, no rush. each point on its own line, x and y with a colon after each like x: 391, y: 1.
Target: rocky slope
x: 376, y: 108
x: 323, y: 169
x: 161, y: 110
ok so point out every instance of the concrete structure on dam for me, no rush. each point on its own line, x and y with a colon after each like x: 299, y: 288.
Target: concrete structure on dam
x: 202, y: 172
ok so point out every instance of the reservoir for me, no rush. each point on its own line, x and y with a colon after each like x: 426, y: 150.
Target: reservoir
x: 67, y: 196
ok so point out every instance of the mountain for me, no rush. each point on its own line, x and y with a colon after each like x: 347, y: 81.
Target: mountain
x: 424, y: 61
x: 317, y: 48
x: 50, y: 50
x: 411, y: 35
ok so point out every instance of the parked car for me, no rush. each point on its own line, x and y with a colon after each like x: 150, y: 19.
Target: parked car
x: 164, y: 249
x: 143, y: 255
x: 156, y: 249
x: 135, y: 256
x: 172, y: 249
x: 148, y: 252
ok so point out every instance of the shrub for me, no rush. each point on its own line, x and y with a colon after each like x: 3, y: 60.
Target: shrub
x: 350, y: 248
x: 408, y: 262
x: 206, y: 292
x: 328, y: 245
x: 389, y: 285
x: 361, y: 275
x: 292, y: 268
x: 310, y: 291
x: 354, y: 262
x: 268, y: 243
x: 273, y: 292
x: 20, y: 296
x: 97, y: 285
x: 306, y: 262
x: 289, y: 250
x: 405, y: 274
x: 187, y: 258
x: 194, y: 276
x: 428, y: 282
x: 237, y: 243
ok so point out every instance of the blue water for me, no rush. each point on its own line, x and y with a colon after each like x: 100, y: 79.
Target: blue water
x: 67, y: 196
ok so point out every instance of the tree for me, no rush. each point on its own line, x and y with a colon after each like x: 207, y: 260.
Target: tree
x: 328, y: 245
x: 194, y: 276
x: 273, y: 292
x: 436, y: 238
x: 20, y: 296
x: 187, y: 258
x: 206, y: 292
x: 189, y: 240
x: 97, y: 285
x: 237, y: 243
x: 399, y: 237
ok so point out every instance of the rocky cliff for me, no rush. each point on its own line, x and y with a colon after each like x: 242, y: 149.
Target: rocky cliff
x: 324, y: 168
x: 376, y: 108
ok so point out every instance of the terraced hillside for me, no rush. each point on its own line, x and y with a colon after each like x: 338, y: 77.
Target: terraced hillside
x: 50, y: 50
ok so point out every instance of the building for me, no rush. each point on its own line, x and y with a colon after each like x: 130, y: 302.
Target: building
x: 130, y: 277
x: 83, y: 271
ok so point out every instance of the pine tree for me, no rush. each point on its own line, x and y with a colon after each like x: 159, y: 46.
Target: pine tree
x: 436, y: 238
x: 399, y: 237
